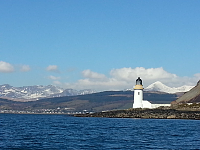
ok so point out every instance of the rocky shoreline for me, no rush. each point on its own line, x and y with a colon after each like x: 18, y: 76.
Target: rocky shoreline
x: 158, y: 113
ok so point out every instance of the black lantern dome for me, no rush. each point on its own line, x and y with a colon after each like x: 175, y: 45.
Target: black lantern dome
x: 138, y: 81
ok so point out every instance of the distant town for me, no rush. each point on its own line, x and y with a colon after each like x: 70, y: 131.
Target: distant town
x: 45, y: 111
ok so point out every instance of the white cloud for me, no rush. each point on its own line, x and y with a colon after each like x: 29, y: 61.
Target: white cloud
x: 92, y: 75
x: 124, y: 78
x: 54, y: 78
x: 128, y: 74
x: 6, y: 67
x: 110, y: 84
x: 52, y: 68
x: 25, y: 68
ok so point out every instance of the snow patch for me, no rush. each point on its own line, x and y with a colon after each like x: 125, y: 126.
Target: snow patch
x: 159, y: 86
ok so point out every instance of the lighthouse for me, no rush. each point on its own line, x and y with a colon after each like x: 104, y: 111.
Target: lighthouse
x: 138, y: 97
x: 138, y: 94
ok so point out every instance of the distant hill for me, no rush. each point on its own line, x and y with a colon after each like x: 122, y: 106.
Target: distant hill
x: 192, y: 96
x: 96, y: 102
x: 159, y: 86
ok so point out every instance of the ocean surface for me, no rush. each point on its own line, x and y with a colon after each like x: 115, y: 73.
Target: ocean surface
x: 60, y: 132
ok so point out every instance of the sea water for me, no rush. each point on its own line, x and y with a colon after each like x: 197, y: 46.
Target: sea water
x: 51, y: 132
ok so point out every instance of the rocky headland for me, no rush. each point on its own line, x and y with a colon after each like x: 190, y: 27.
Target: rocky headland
x: 158, y: 113
x: 185, y: 107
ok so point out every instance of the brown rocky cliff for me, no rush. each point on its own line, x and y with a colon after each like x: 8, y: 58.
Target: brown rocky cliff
x: 192, y: 96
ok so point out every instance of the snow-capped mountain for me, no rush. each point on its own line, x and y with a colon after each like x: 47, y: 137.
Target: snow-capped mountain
x: 38, y: 91
x: 159, y: 86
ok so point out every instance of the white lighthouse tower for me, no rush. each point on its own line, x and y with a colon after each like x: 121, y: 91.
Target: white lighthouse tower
x: 138, y: 94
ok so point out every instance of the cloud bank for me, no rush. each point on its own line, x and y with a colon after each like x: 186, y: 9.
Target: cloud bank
x: 6, y: 67
x: 124, y: 78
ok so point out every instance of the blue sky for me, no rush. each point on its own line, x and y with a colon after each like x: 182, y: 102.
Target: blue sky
x: 102, y: 45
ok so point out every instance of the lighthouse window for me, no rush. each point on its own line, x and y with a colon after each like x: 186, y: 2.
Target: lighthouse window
x: 138, y: 93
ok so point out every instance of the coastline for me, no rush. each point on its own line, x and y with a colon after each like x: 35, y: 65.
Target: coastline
x: 158, y: 113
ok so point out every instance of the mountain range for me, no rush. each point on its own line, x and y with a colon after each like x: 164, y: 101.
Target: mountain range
x: 39, y: 92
